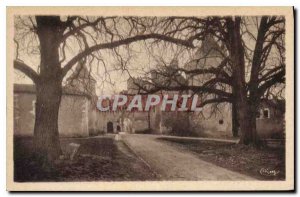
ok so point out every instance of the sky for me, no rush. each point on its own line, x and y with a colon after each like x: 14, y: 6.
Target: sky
x: 116, y: 80
x: 142, y: 59
x: 110, y: 78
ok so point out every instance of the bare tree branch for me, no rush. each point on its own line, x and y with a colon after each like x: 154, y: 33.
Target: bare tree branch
x: 118, y: 43
x: 26, y: 70
x: 276, y: 78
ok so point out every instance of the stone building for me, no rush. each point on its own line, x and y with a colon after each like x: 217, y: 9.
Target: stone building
x: 212, y: 121
x: 270, y: 119
x: 81, y: 81
x: 156, y: 121
x: 124, y: 121
x: 73, y: 112
x: 78, y: 116
x: 215, y: 121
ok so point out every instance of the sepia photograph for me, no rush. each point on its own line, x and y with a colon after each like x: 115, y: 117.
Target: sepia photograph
x: 150, y: 99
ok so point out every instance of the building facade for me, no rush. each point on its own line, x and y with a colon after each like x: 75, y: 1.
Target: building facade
x: 73, y: 112
x: 79, y: 116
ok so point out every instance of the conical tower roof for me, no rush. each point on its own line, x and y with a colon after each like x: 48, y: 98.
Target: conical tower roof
x: 81, y: 72
x: 209, y: 48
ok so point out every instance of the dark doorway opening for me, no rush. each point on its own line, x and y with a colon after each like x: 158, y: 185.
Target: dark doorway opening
x: 110, y: 127
x: 118, y: 128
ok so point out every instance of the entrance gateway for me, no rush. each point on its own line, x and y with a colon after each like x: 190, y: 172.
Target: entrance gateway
x: 110, y: 127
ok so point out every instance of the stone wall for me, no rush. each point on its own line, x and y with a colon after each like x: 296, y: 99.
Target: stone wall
x: 24, y: 113
x: 73, y: 116
x: 72, y: 121
x: 270, y: 121
x: 209, y: 123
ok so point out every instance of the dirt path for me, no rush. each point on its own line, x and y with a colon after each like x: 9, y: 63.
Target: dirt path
x: 171, y: 163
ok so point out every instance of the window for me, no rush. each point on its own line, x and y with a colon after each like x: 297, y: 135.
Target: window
x: 266, y: 113
x: 221, y: 121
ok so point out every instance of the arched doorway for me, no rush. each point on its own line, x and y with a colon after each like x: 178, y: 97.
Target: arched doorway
x: 118, y: 128
x: 110, y: 127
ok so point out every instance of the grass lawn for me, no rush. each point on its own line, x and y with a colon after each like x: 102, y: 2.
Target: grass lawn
x: 98, y: 159
x: 240, y: 158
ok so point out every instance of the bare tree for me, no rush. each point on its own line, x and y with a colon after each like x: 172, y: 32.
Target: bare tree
x: 60, y: 43
x: 252, y: 65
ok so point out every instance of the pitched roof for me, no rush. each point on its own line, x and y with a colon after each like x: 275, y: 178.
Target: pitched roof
x: 82, y: 72
x: 278, y: 104
x: 28, y: 88
x: 31, y: 88
x: 209, y: 48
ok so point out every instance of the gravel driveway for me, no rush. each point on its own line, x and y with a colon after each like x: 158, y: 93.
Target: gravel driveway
x: 171, y: 163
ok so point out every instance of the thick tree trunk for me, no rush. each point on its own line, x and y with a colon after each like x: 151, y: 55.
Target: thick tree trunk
x: 246, y: 110
x: 234, y: 112
x: 48, y: 89
x: 235, y: 122
x: 46, y: 136
x: 250, y: 135
x: 247, y: 119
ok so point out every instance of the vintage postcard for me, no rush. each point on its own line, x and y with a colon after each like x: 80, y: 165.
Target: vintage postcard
x: 150, y: 99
